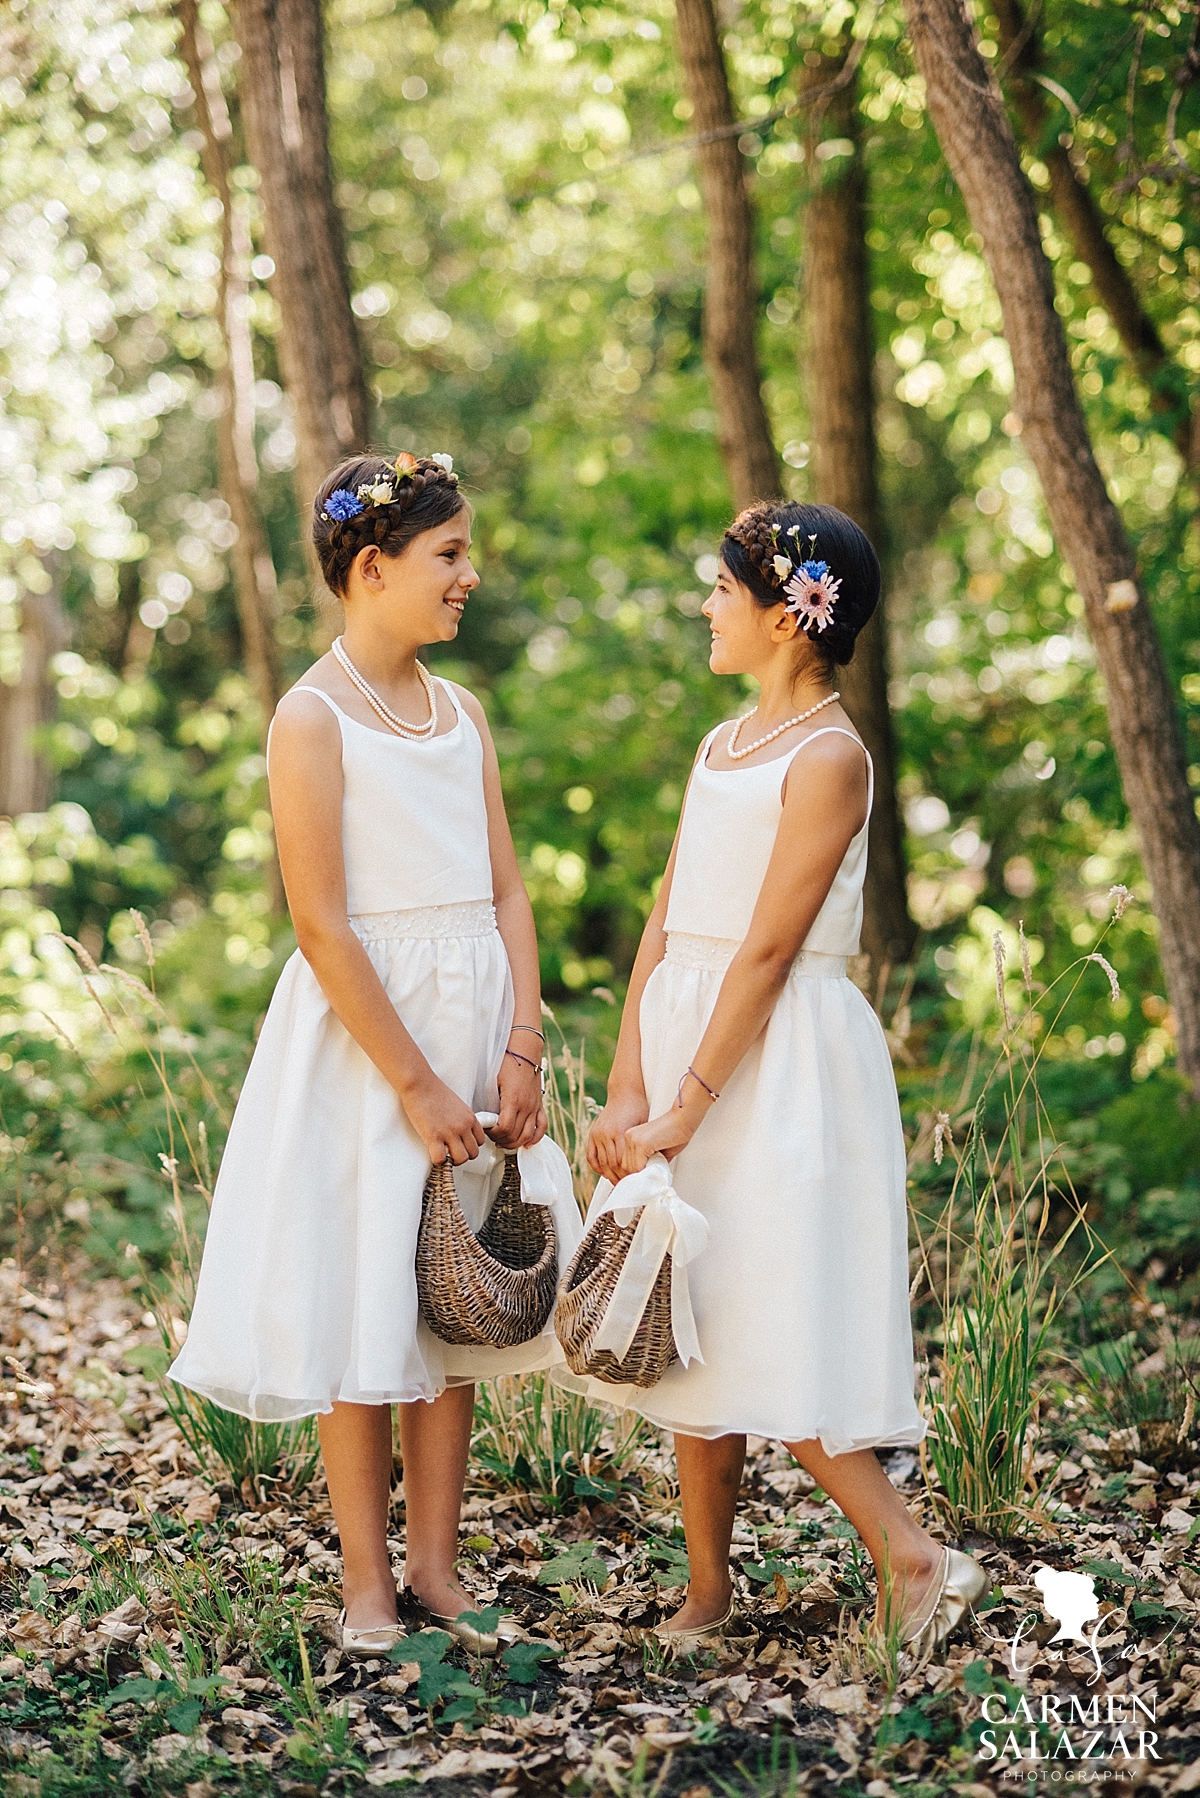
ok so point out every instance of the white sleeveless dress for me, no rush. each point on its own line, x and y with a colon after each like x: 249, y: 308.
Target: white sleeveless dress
x: 801, y: 1295
x: 307, y: 1291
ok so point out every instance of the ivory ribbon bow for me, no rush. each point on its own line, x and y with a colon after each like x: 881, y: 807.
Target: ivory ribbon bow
x: 545, y: 1180
x: 668, y: 1226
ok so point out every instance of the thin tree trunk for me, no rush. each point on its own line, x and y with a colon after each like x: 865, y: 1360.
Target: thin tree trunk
x: 26, y: 783
x: 253, y: 569
x: 254, y: 583
x: 1082, y: 221
x: 968, y: 114
x: 837, y: 366
x: 282, y: 88
x: 731, y: 291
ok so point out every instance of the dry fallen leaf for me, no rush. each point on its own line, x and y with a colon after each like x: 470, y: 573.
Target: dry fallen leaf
x: 32, y: 1630
x: 204, y: 1508
x: 125, y: 1624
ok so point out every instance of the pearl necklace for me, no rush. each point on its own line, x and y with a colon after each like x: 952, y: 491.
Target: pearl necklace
x: 737, y: 754
x: 401, y: 726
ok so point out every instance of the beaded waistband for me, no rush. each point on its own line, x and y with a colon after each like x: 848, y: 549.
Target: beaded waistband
x: 714, y: 954
x: 475, y: 917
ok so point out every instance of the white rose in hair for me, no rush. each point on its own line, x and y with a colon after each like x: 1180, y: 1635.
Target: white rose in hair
x: 783, y: 568
x: 443, y: 461
x: 381, y: 494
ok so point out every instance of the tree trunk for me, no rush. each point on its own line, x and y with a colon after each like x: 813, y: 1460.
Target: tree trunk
x: 968, y: 114
x: 25, y: 778
x: 1082, y: 221
x: 731, y: 291
x: 253, y: 569
x: 282, y: 88
x: 838, y: 371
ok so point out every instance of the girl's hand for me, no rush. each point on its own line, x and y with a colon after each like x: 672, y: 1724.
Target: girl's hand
x: 522, y: 1109
x: 445, y: 1125
x: 606, y: 1138
x: 664, y: 1135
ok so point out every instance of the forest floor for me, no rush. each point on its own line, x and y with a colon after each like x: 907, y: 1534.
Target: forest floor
x: 159, y: 1638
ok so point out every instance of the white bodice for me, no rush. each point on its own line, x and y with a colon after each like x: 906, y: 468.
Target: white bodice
x: 414, y: 819
x: 730, y: 821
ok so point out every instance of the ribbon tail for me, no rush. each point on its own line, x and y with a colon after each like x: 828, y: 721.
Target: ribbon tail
x: 651, y: 1242
x: 683, y: 1324
x: 546, y: 1180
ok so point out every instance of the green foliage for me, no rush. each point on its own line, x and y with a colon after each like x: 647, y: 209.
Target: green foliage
x: 668, y: 1562
x: 255, y: 1457
x: 530, y: 1436
x: 523, y: 1660
x: 580, y: 1562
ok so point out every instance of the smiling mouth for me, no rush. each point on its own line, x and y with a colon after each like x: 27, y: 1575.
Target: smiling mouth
x: 456, y: 605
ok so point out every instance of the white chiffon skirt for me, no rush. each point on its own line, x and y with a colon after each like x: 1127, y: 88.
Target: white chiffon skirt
x: 801, y: 1296
x: 307, y: 1290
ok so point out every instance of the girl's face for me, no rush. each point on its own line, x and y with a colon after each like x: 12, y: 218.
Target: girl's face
x: 745, y: 635
x: 420, y: 593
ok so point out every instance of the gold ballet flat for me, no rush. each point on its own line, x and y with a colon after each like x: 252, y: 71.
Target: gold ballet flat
x: 687, y: 1641
x: 960, y: 1582
x: 485, y: 1643
x: 368, y: 1644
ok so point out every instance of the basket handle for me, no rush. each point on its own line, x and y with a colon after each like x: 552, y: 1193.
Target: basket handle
x: 666, y: 1226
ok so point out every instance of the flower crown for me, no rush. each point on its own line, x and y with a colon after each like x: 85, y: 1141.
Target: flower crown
x: 810, y: 590
x: 342, y: 505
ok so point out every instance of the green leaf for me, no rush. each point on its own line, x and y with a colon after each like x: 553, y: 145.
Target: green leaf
x: 579, y: 1562
x: 669, y: 1564
x: 461, y: 1711
x: 901, y: 1728
x: 521, y: 1661
x: 977, y: 1678
x: 587, y: 1487
x: 1143, y: 1608
x: 427, y: 1648
x: 795, y: 1576
x: 440, y: 1681
x: 141, y: 1691
x: 1111, y: 1570
x: 149, y: 1358
x: 185, y: 1717
x: 484, y: 1621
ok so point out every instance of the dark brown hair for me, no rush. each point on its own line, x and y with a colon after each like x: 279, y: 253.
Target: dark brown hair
x: 428, y: 497
x: 754, y: 538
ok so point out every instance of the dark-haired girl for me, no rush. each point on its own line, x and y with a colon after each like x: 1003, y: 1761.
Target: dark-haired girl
x: 748, y: 1057
x: 411, y: 1004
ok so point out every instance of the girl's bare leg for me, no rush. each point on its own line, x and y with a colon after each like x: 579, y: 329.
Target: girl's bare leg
x: 435, y: 1441
x: 710, y: 1473
x: 356, y: 1443
x: 895, y: 1541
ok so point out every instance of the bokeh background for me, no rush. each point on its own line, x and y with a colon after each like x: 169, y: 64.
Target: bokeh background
x: 528, y: 287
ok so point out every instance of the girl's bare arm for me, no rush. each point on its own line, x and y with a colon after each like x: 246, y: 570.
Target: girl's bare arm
x: 626, y: 1104
x: 305, y: 771
x: 522, y: 1112
x: 824, y: 807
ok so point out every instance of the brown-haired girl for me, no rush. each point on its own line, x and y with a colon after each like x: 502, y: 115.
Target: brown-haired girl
x: 749, y: 1058
x: 412, y: 1003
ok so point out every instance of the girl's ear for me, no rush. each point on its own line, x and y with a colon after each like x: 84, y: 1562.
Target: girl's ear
x: 784, y: 625
x: 367, y: 565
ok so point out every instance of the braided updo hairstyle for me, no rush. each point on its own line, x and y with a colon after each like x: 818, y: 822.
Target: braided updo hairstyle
x: 426, y: 498
x: 759, y: 533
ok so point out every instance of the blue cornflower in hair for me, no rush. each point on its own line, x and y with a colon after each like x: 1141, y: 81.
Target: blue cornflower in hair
x: 342, y: 505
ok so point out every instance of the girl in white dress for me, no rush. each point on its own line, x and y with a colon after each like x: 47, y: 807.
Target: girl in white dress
x: 748, y: 1058
x: 411, y: 1004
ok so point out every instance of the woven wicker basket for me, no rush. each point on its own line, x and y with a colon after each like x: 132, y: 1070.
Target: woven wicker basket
x: 587, y: 1287
x: 496, y: 1288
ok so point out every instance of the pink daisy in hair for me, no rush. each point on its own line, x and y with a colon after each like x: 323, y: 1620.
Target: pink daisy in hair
x: 811, y: 595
